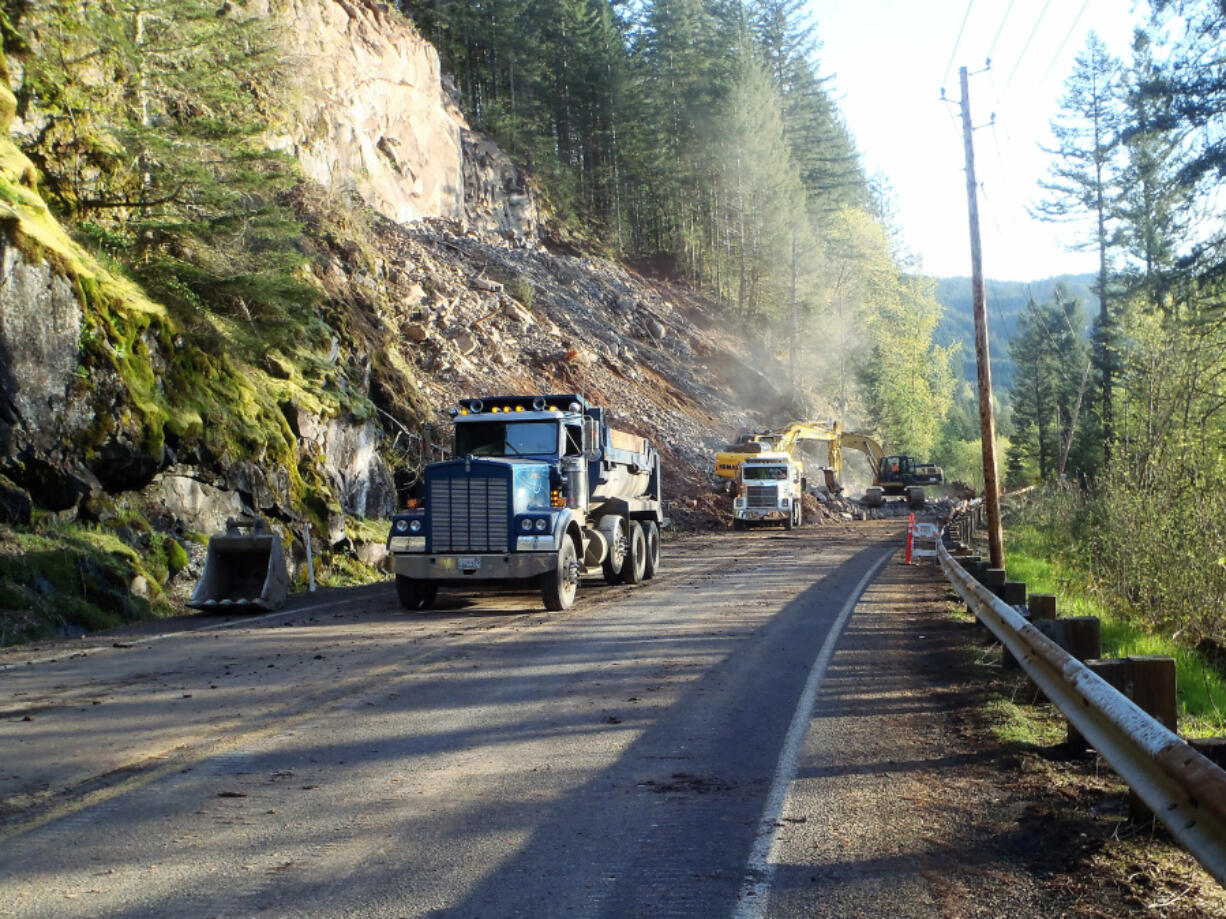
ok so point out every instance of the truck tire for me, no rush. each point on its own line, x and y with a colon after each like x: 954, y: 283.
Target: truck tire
x: 558, y: 587
x: 615, y: 535
x: 800, y: 511
x: 414, y: 595
x: 651, y: 534
x: 915, y: 498
x: 791, y: 521
x: 636, y: 559
x: 873, y: 497
x: 738, y: 524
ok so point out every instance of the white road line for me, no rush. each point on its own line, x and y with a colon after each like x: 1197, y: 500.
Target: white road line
x: 69, y: 653
x: 760, y: 871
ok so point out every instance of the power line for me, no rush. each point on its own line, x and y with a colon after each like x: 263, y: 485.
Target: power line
x: 1005, y: 19
x: 957, y: 41
x: 1038, y: 22
x: 1067, y: 35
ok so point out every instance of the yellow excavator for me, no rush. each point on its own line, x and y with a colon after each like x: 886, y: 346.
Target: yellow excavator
x: 893, y: 474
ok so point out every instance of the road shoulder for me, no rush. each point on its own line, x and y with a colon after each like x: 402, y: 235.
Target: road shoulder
x: 907, y: 804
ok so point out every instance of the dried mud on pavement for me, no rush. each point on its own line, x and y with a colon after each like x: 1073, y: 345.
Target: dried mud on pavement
x: 906, y: 803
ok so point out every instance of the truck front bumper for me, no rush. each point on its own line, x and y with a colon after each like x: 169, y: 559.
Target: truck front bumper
x: 473, y: 566
x: 761, y: 513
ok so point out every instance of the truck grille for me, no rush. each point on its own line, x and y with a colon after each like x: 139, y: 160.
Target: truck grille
x: 469, y: 515
x: 761, y: 496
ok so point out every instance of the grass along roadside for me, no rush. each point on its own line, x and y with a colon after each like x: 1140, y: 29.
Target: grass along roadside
x: 1201, y: 689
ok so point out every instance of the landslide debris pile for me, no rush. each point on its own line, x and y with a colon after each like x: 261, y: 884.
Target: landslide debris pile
x: 483, y: 317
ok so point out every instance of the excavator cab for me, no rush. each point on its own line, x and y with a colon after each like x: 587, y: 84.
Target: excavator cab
x: 896, y: 470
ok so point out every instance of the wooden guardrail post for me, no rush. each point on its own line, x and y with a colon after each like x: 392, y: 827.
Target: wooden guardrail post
x: 1042, y: 606
x: 1013, y: 593
x: 994, y: 580
x: 1149, y: 681
x: 1081, y: 637
x: 991, y: 578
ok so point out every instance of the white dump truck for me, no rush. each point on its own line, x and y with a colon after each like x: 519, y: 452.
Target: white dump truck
x: 772, y: 488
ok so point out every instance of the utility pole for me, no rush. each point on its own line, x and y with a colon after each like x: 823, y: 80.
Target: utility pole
x: 987, y: 422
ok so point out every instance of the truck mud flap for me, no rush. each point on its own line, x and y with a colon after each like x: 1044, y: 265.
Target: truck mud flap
x: 243, y: 570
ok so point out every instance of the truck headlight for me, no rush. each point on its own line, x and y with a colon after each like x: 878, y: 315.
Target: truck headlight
x: 541, y: 524
x: 785, y: 502
x: 401, y: 525
x: 414, y: 526
x: 526, y: 524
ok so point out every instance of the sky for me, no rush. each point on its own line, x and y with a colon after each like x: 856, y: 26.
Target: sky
x: 890, y: 60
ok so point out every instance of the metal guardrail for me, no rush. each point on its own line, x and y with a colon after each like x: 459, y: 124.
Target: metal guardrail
x: 1184, y: 789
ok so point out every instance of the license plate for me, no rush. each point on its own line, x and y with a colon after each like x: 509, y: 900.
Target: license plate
x: 468, y: 563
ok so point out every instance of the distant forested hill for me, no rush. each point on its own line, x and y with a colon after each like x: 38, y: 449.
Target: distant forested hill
x: 1006, y: 299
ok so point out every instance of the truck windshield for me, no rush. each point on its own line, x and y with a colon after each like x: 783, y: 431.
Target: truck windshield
x: 500, y: 438
x: 765, y: 473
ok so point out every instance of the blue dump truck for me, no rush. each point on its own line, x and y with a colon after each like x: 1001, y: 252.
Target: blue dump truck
x: 541, y: 492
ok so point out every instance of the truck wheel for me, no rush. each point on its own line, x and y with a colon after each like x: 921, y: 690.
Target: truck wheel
x: 428, y: 594
x: 791, y: 521
x: 651, y: 534
x: 873, y: 497
x: 558, y: 587
x: 413, y: 594
x: 800, y: 512
x: 614, y: 559
x: 738, y: 524
x: 636, y: 559
x: 915, y: 498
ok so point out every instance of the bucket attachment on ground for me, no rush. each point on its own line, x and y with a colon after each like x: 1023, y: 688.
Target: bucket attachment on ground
x: 243, y: 569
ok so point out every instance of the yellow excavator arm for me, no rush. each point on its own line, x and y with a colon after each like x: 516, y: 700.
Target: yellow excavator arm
x: 866, y: 445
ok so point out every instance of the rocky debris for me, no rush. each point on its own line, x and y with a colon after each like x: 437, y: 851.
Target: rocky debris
x: 501, y: 318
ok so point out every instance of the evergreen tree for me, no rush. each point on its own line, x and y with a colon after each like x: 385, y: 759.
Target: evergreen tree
x: 1049, y: 385
x: 151, y: 118
x: 821, y: 146
x: 1084, y: 176
x: 1153, y: 202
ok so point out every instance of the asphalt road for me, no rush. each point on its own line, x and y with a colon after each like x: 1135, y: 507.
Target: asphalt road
x: 631, y: 757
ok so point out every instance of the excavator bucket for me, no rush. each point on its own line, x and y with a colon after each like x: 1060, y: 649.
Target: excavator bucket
x: 245, y: 567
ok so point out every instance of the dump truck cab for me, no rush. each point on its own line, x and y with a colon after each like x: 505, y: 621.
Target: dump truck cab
x: 542, y: 490
x: 772, y: 489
